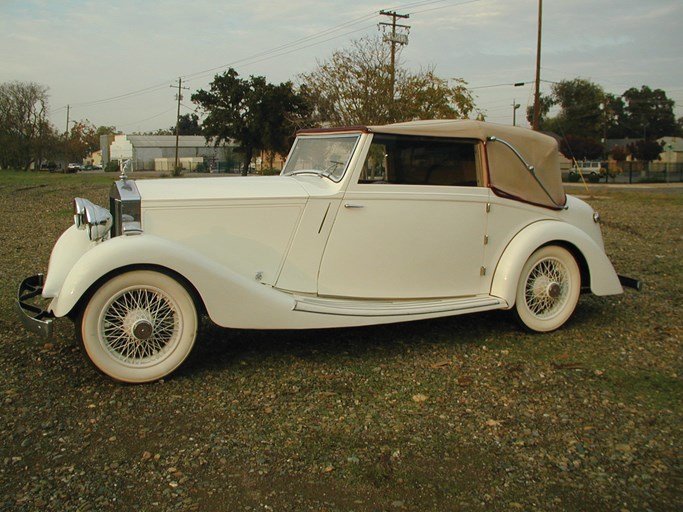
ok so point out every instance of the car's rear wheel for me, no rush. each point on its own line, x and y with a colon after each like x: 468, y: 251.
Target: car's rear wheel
x: 139, y: 326
x: 548, y: 289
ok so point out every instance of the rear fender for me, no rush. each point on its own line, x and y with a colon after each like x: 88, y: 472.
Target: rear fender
x: 603, y: 280
x: 229, y: 297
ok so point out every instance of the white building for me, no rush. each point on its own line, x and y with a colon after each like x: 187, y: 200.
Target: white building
x: 672, y: 151
x: 157, y: 152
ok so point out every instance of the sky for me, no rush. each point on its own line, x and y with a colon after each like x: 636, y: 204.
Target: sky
x: 117, y: 63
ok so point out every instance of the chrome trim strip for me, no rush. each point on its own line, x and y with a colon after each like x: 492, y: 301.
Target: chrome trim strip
x: 368, y: 307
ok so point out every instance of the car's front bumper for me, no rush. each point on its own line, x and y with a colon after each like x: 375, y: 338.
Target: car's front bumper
x: 33, y: 318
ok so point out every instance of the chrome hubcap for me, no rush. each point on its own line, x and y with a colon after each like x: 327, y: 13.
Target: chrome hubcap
x: 142, y: 329
x: 554, y: 290
x: 547, y: 287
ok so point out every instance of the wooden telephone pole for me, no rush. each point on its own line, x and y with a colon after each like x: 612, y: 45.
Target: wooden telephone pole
x: 395, y: 38
x: 537, y: 93
x: 179, y: 96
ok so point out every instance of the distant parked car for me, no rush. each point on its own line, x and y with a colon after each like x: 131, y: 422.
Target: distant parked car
x: 48, y: 166
x: 591, y: 171
x: 365, y: 225
x: 73, y: 168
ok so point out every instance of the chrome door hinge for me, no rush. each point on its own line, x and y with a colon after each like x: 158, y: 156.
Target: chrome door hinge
x: 486, y: 239
x: 488, y: 207
x: 482, y: 271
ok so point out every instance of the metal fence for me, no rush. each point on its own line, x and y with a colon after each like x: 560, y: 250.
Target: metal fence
x: 641, y: 172
x: 638, y: 172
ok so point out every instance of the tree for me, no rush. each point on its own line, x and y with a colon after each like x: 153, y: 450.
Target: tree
x: 580, y: 148
x: 287, y: 112
x: 253, y: 112
x: 619, y: 153
x: 546, y: 102
x: 580, y: 114
x: 82, y: 140
x: 50, y: 147
x: 646, y: 150
x: 648, y: 113
x: 188, y: 124
x: 23, y: 123
x: 354, y: 87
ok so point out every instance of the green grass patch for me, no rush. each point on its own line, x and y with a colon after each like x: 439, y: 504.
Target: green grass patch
x: 651, y: 388
x: 38, y: 178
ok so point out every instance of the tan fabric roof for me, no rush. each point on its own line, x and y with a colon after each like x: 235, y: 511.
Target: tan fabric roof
x: 507, y: 174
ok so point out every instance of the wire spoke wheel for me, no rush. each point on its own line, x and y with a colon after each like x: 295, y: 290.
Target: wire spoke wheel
x: 139, y: 326
x: 548, y: 289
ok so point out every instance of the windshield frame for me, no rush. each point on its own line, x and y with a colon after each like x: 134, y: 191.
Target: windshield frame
x: 334, y: 176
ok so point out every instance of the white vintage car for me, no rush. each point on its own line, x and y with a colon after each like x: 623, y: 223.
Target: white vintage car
x: 365, y: 225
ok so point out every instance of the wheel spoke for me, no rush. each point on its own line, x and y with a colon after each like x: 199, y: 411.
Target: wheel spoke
x: 548, y: 274
x: 139, y: 305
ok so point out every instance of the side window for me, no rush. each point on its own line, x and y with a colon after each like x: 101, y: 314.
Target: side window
x: 406, y: 160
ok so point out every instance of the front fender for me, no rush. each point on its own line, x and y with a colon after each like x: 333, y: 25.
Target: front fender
x: 603, y: 278
x: 70, y: 247
x: 230, y: 298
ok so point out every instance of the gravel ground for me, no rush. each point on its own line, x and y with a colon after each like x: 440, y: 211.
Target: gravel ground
x: 466, y: 413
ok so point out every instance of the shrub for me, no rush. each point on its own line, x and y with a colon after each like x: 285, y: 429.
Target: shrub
x: 112, y: 166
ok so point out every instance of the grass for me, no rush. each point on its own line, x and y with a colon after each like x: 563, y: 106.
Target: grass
x: 462, y: 413
x: 658, y: 389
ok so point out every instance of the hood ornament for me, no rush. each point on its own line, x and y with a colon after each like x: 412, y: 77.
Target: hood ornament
x: 122, y: 166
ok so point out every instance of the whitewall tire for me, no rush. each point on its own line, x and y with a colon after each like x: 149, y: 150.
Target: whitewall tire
x: 548, y: 289
x: 139, y: 326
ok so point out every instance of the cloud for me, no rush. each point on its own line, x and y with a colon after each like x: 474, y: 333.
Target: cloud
x: 86, y: 51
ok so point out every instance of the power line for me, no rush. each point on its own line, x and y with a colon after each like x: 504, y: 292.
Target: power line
x: 443, y: 6
x: 268, y: 55
x: 127, y: 95
x: 149, y: 118
x: 315, y: 39
x: 278, y: 51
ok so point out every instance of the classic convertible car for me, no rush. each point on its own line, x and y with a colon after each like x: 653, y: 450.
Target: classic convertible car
x: 365, y: 225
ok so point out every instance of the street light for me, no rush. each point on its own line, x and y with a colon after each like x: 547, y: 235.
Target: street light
x: 515, y: 106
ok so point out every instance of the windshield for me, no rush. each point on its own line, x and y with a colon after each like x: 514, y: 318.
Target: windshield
x: 325, y: 155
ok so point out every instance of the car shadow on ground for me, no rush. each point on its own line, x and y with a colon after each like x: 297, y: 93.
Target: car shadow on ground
x: 219, y: 349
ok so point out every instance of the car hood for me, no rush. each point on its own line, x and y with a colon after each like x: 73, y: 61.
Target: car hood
x: 221, y: 188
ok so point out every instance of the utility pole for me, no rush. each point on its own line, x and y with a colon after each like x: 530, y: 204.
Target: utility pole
x: 179, y: 97
x: 66, y: 139
x: 537, y: 94
x: 67, y: 121
x: 395, y: 38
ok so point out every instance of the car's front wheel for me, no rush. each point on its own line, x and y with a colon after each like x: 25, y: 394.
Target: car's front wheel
x: 548, y: 289
x: 139, y: 326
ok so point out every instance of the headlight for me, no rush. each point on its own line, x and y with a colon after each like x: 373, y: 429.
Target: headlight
x: 95, y: 219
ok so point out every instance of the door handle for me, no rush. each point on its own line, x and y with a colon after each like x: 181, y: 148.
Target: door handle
x: 349, y: 205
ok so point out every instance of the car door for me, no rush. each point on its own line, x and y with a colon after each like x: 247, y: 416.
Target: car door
x: 412, y: 223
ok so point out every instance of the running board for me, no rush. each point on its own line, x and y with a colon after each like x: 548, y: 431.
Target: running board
x: 364, y: 307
